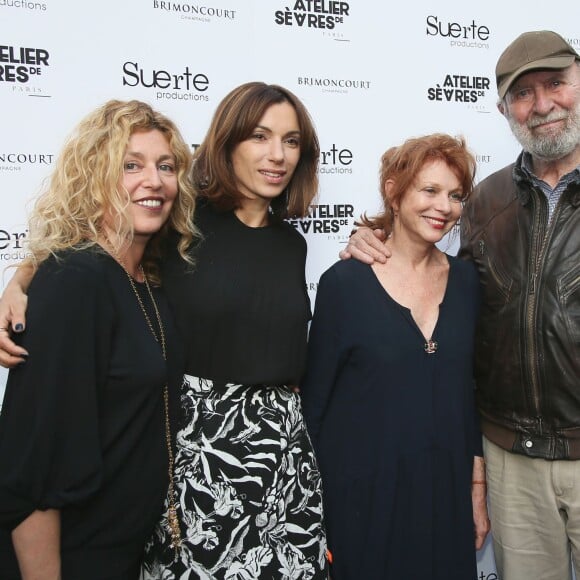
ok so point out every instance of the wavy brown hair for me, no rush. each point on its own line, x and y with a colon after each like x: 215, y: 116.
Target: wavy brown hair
x: 236, y: 117
x: 85, y: 186
x: 403, y: 163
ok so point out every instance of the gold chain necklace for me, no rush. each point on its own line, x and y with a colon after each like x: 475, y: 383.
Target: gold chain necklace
x: 172, y: 519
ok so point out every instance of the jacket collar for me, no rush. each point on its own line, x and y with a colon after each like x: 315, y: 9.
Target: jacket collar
x: 525, y: 186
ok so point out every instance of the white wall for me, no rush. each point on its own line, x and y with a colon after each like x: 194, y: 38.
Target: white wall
x: 371, y: 74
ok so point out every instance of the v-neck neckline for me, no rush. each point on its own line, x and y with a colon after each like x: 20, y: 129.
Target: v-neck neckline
x: 406, y: 312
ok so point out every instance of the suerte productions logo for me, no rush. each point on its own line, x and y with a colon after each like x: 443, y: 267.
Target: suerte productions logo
x: 12, y: 244
x: 329, y: 85
x: 458, y: 88
x: 196, y: 12
x: 21, y: 67
x: 182, y: 85
x: 324, y: 15
x: 483, y: 159
x: 489, y: 576
x: 460, y: 34
x: 23, y: 5
x: 335, y: 160
x: 333, y: 220
x: 12, y: 161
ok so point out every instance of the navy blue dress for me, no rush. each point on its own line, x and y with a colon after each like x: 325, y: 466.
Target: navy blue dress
x: 394, y: 427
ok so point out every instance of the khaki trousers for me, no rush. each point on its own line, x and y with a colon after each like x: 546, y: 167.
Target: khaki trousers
x: 535, y: 515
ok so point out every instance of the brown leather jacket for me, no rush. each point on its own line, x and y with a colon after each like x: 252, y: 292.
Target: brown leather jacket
x: 528, y: 342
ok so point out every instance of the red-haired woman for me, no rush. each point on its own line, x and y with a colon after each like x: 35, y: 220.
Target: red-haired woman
x: 388, y: 393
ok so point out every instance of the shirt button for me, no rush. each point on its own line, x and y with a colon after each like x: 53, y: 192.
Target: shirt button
x: 529, y: 444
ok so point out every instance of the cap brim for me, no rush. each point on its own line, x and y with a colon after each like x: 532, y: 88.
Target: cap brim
x: 553, y: 62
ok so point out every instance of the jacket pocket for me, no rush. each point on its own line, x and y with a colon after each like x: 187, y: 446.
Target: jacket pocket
x: 502, y: 282
x: 569, y: 297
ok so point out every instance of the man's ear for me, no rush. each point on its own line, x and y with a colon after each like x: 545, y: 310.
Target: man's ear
x: 501, y: 107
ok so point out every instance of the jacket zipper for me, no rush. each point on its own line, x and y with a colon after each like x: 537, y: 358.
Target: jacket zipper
x: 538, y: 266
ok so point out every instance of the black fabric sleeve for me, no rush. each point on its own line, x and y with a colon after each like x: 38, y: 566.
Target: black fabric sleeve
x: 325, y: 355
x: 50, y: 453
x: 465, y: 251
x: 474, y: 290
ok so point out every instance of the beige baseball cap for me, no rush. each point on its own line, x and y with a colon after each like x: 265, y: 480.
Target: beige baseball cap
x: 540, y: 49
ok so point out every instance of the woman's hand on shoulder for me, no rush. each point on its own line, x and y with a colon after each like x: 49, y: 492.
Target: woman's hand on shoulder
x: 13, y: 304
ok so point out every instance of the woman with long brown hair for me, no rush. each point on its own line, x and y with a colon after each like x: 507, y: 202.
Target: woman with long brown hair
x: 248, y: 483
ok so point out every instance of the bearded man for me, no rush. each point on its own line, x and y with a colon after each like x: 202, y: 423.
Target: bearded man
x: 522, y: 229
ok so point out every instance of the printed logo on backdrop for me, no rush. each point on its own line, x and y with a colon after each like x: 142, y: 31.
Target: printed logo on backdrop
x: 574, y: 42
x: 194, y: 12
x: 326, y: 16
x: 23, y: 5
x: 14, y: 161
x: 335, y: 161
x: 311, y: 286
x: 12, y: 244
x: 462, y: 90
x: 458, y: 34
x: 22, y: 69
x: 333, y: 221
x: 334, y: 85
x: 488, y: 576
x: 177, y: 83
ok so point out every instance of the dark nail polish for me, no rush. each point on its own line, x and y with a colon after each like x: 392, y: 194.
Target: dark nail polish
x: 19, y: 327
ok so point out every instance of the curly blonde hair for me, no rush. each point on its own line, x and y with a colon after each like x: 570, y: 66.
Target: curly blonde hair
x: 85, y: 186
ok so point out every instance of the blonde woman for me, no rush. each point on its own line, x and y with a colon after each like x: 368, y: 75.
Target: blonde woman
x: 85, y: 430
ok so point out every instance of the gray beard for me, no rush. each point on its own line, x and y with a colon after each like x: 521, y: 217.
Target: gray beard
x: 551, y: 146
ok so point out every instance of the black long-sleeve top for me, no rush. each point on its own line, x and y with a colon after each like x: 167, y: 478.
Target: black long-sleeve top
x: 243, y: 309
x: 82, y: 426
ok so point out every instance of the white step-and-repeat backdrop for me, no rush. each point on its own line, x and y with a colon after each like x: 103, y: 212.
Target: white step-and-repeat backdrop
x: 371, y: 73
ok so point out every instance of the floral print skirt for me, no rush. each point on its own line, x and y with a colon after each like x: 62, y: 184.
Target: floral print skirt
x: 248, y: 489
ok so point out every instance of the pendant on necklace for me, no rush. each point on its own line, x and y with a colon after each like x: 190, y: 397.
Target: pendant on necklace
x: 430, y: 346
